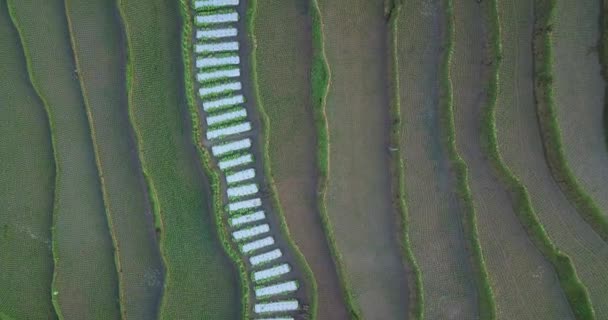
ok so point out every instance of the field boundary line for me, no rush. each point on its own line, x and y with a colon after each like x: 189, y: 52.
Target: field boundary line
x: 265, y: 128
x: 156, y: 208
x: 321, y: 83
x: 100, y: 172
x: 205, y: 157
x: 575, y: 291
x: 550, y: 130
x: 49, y: 117
x: 416, y: 293
x: 487, y: 304
x: 603, y: 57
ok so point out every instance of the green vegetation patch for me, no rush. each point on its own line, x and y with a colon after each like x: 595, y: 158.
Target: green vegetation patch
x: 583, y: 186
x: 200, y: 282
x: 26, y: 187
x: 85, y: 280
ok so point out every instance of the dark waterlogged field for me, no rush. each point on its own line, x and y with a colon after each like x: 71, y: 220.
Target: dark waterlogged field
x: 26, y: 186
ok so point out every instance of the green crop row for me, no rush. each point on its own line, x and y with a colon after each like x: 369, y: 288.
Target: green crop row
x: 217, y: 95
x: 575, y: 291
x: 227, y: 124
x: 320, y: 78
x: 417, y: 296
x: 487, y: 307
x: 218, y: 208
x: 549, y: 124
x: 214, y: 82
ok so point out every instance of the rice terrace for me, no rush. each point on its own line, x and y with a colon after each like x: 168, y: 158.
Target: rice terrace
x: 304, y: 159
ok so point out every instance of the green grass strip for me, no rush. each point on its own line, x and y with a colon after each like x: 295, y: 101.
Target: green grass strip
x: 487, y: 305
x: 417, y: 288
x: 320, y: 77
x: 218, y: 208
x: 575, y: 291
x: 547, y: 116
x: 311, y: 283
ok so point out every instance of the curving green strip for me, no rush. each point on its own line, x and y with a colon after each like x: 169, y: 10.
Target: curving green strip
x: 201, y: 282
x: 218, y: 207
x: 320, y: 78
x: 487, y: 305
x: 417, y: 292
x: 575, y: 291
x: 544, y: 15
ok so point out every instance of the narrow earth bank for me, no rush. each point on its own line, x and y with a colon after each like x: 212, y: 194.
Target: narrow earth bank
x: 577, y: 150
x: 521, y: 148
x: 435, y: 212
x: 518, y: 272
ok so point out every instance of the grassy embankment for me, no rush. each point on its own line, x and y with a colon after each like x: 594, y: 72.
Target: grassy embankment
x: 320, y: 82
x: 416, y: 287
x: 197, y: 134
x: 500, y: 230
x: 99, y: 49
x: 427, y: 157
x: 574, y: 186
x: 200, y: 279
x: 487, y: 305
x: 575, y: 291
x: 26, y: 189
x: 311, y: 285
x: 84, y: 282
